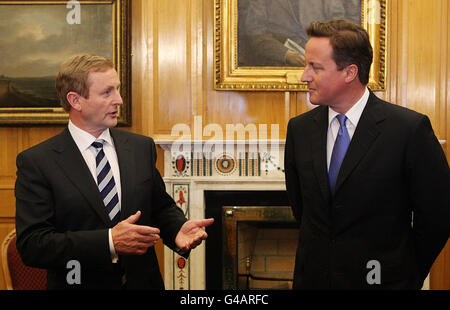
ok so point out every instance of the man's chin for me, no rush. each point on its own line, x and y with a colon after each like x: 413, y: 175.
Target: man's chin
x: 313, y: 101
x: 112, y: 122
x: 311, y: 98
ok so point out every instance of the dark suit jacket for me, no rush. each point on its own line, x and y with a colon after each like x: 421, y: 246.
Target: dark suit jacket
x: 60, y: 215
x: 394, y: 167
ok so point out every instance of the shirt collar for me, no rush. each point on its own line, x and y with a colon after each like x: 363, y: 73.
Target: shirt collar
x: 84, y: 139
x: 354, y: 114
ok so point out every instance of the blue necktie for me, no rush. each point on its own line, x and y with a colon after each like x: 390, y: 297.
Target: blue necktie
x: 340, y: 148
x: 106, y: 183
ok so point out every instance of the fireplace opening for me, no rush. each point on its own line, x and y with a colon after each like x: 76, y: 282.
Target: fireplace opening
x: 267, y: 243
x: 265, y: 254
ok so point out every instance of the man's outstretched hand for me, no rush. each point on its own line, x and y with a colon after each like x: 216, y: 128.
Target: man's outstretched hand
x: 129, y: 238
x: 192, y: 233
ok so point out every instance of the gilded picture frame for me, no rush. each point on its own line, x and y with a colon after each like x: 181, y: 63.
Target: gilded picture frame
x: 37, y: 36
x: 231, y: 73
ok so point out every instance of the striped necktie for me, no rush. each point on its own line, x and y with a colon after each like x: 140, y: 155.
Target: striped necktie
x: 106, y: 183
x: 340, y: 148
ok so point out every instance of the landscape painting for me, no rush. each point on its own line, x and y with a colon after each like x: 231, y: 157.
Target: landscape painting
x: 36, y: 38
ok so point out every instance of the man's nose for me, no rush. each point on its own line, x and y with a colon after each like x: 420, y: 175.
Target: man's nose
x: 118, y: 98
x: 306, y: 76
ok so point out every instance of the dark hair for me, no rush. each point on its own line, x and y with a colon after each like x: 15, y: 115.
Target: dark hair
x: 350, y: 43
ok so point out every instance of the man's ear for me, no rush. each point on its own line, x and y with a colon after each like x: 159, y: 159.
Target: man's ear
x: 351, y: 73
x: 74, y: 99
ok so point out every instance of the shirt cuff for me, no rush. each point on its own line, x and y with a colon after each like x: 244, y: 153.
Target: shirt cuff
x: 114, y: 256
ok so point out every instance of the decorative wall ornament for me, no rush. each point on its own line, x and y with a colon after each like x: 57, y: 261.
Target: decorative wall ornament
x: 181, y: 266
x: 181, y: 165
x: 225, y: 164
x: 247, y: 164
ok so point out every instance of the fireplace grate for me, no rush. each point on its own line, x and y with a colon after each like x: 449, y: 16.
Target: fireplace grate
x: 250, y: 221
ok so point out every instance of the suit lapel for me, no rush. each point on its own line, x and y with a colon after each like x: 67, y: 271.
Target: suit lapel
x: 73, y: 165
x: 127, y: 167
x: 319, y: 150
x: 365, y: 135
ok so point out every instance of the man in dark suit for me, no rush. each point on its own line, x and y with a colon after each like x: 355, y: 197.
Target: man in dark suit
x: 367, y: 180
x: 91, y: 197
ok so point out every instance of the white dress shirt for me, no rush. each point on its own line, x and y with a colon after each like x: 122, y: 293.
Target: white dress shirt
x: 84, y: 140
x: 353, y: 116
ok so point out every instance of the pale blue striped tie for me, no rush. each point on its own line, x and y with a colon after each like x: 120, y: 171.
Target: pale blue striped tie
x: 106, y: 183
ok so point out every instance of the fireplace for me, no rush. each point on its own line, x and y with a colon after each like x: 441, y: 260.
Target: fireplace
x: 202, y: 182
